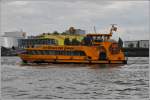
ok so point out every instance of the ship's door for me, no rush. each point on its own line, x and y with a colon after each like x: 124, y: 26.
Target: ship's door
x: 102, y: 53
x: 102, y: 56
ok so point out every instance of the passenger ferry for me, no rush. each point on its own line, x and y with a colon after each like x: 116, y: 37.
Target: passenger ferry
x: 94, y: 49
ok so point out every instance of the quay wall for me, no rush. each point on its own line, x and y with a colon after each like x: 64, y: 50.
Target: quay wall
x: 130, y: 52
x: 136, y: 52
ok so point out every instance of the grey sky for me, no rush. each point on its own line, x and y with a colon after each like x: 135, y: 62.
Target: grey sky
x: 38, y: 16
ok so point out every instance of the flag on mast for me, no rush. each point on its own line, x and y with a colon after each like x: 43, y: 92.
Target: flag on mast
x: 114, y: 28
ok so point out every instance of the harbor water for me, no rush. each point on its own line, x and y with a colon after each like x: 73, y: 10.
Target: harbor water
x: 75, y: 81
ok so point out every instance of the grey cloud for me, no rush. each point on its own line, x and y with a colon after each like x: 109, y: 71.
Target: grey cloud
x: 42, y: 16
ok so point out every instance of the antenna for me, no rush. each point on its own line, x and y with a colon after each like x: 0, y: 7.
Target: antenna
x: 94, y: 29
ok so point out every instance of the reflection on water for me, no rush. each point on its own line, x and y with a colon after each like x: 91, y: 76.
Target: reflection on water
x: 75, y: 81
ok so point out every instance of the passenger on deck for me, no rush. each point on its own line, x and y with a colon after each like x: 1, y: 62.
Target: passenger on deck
x: 87, y: 41
x: 99, y: 39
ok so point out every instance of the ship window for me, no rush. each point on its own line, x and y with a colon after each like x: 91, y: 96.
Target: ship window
x: 33, y: 52
x: 68, y: 53
x: 47, y: 52
x: 52, y: 52
x: 62, y: 52
x: 59, y: 52
x: 82, y: 53
x: 76, y: 53
x: 65, y: 52
x: 43, y: 52
x: 30, y: 52
x: 56, y: 52
x: 38, y: 52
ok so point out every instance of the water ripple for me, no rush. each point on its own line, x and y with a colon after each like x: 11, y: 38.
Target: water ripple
x: 82, y: 81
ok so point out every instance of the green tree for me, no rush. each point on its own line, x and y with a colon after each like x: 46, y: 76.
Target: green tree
x: 55, y: 33
x: 64, y: 33
x: 75, y: 41
x: 67, y: 41
x: 48, y: 33
x: 43, y: 33
x: 72, y: 30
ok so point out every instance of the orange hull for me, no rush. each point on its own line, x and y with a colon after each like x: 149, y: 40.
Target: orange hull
x: 80, y: 54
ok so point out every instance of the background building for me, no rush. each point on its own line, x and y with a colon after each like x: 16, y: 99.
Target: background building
x: 75, y: 31
x: 79, y: 31
x: 131, y: 44
x: 10, y: 39
x: 144, y: 43
x: 136, y: 44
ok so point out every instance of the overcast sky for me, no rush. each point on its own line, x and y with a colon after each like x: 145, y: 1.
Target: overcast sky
x: 38, y: 16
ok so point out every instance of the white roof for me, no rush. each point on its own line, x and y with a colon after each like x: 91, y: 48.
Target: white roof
x: 14, y: 34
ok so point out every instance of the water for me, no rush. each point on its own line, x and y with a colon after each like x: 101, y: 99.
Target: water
x: 75, y: 81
